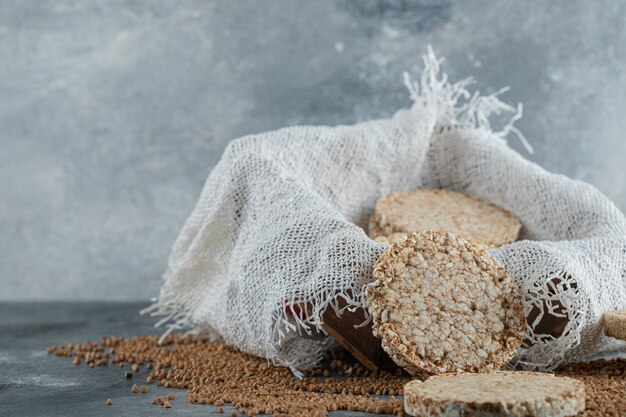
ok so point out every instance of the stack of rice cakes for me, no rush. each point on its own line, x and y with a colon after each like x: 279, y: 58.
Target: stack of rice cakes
x: 441, y: 305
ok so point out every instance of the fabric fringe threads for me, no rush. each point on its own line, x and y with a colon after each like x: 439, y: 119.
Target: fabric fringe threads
x: 217, y: 374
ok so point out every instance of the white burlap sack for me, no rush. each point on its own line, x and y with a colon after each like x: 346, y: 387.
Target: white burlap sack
x: 280, y: 224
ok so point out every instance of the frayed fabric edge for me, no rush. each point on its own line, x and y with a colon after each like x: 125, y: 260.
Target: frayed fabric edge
x: 452, y: 104
x: 176, y: 317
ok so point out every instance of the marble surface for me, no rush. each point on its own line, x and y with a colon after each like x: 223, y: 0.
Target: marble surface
x: 35, y: 384
x: 113, y: 115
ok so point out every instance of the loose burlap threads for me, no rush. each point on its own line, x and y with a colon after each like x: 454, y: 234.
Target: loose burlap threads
x: 279, y: 226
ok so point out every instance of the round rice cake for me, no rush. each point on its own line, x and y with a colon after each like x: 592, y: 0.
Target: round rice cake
x: 510, y: 394
x: 435, y: 209
x: 442, y: 304
x: 615, y: 324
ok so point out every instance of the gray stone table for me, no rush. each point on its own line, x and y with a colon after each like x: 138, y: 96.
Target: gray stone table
x: 33, y: 383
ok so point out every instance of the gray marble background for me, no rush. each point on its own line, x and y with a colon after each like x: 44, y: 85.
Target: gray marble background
x: 113, y: 113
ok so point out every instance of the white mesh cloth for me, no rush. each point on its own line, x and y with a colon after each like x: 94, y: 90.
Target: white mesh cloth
x: 279, y: 225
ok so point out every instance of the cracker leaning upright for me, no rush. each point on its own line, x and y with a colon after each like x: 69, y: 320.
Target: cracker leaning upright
x: 615, y: 324
x: 442, y: 304
x: 435, y: 209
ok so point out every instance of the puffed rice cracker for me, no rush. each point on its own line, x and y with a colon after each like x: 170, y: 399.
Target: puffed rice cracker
x: 511, y: 394
x: 615, y: 324
x: 435, y: 209
x: 442, y: 304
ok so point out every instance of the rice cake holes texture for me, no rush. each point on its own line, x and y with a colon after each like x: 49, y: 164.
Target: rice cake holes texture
x: 615, y: 324
x: 509, y: 394
x: 434, y: 209
x: 442, y: 304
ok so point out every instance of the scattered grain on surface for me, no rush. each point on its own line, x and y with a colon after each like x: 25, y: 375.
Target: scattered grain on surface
x: 214, y: 373
x: 605, y: 384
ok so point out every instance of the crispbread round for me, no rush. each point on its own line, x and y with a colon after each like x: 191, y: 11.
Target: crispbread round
x: 615, y: 324
x: 510, y: 394
x: 434, y: 209
x: 442, y: 304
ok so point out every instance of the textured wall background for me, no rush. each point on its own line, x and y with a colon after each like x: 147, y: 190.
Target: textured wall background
x: 112, y: 114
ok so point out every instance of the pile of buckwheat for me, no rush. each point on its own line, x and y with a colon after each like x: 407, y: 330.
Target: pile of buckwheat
x: 605, y: 386
x: 214, y: 373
